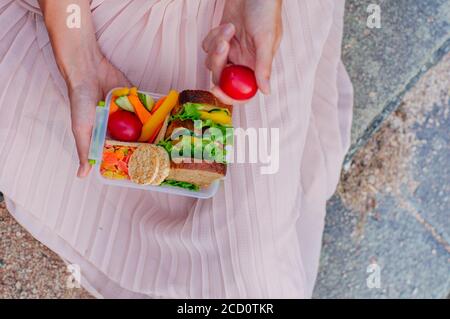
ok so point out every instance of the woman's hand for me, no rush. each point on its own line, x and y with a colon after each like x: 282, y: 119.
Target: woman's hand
x: 88, y: 75
x: 89, y: 85
x: 249, y: 34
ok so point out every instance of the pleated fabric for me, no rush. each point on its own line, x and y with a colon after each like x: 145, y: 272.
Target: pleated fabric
x: 259, y: 237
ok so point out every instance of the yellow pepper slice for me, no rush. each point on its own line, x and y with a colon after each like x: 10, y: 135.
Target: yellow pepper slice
x: 216, y: 117
x: 121, y: 92
x: 134, y: 91
x: 154, y: 123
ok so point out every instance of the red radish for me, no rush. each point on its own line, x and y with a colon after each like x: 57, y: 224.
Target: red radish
x: 124, y: 126
x: 238, y: 82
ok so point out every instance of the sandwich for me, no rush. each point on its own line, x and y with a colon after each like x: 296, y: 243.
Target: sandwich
x: 197, y: 138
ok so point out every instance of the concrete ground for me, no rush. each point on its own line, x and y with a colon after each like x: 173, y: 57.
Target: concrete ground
x: 28, y: 269
x: 392, y: 208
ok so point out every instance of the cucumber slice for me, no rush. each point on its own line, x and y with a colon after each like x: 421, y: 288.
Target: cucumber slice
x: 124, y: 104
x: 147, y: 100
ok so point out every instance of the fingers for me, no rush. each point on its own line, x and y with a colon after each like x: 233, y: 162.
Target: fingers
x: 218, y: 59
x: 217, y: 45
x: 114, y: 78
x: 83, y: 100
x: 223, y: 32
x: 121, y: 81
x: 263, y: 66
x: 84, y: 97
x: 83, y: 141
x: 224, y: 98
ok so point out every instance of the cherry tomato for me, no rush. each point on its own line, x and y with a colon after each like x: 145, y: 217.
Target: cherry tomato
x: 124, y: 126
x: 238, y: 82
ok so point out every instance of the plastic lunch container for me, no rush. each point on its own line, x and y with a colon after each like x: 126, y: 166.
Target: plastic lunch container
x: 98, y: 139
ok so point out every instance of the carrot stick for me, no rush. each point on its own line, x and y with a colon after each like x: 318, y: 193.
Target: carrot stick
x: 113, y: 107
x: 158, y: 104
x: 157, y: 118
x: 139, y: 108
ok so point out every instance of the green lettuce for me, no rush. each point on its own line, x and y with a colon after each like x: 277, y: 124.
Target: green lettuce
x: 227, y: 133
x: 214, y: 136
x: 185, y: 185
x: 190, y: 112
x: 201, y: 148
x: 167, y: 145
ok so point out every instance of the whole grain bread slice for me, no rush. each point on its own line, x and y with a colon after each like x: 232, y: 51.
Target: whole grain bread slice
x: 202, y: 174
x: 199, y: 96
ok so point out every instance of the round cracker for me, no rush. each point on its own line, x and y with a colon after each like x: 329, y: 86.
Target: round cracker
x: 164, y: 166
x: 143, y: 167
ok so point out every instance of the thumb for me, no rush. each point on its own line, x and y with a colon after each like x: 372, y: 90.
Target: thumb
x: 82, y: 136
x: 83, y: 101
x: 217, y: 60
x: 83, y: 117
x: 263, y: 66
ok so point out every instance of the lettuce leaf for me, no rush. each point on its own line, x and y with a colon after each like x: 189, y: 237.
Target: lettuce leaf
x: 167, y: 145
x: 215, y: 137
x: 190, y: 112
x: 185, y: 185
x: 226, y: 138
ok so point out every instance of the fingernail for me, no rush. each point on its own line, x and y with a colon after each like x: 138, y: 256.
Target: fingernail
x: 229, y: 29
x: 221, y: 47
x: 79, y: 172
x: 265, y: 86
x: 83, y: 171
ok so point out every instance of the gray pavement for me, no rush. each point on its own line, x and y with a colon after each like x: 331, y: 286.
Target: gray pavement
x: 384, y: 63
x: 392, y: 208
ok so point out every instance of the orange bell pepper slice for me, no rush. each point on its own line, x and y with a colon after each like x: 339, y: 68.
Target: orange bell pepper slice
x: 153, y: 138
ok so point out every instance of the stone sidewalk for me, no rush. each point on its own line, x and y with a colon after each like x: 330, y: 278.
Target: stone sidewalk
x: 385, y: 63
x: 392, y: 208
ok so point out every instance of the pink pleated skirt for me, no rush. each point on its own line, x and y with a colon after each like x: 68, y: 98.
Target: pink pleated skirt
x: 259, y: 237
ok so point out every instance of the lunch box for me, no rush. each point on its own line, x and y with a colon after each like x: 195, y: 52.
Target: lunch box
x: 99, y: 136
